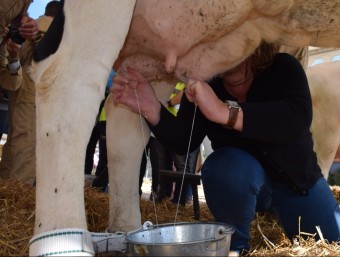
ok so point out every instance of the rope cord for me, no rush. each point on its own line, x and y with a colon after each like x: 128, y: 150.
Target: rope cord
x: 186, y: 162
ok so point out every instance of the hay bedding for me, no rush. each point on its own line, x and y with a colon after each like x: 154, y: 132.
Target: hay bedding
x: 267, y: 238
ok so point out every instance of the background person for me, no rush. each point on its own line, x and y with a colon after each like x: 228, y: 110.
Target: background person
x: 180, y: 162
x: 14, y: 13
x: 22, y: 114
x: 151, y: 150
x: 10, y: 79
x: 99, y: 135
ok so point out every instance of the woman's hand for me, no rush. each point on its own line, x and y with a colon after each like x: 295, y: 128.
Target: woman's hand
x: 133, y: 90
x: 204, y: 97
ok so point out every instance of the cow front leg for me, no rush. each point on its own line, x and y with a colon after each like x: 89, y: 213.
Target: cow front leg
x: 125, y: 141
x: 65, y: 117
x: 70, y: 85
x: 64, y: 124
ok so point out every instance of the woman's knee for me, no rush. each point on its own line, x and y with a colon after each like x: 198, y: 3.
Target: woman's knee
x: 305, y: 212
x: 234, y: 165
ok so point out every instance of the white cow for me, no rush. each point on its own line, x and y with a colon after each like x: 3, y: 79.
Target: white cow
x: 324, y: 82
x: 167, y: 39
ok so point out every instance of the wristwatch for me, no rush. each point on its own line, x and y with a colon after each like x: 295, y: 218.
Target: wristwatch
x: 234, y: 109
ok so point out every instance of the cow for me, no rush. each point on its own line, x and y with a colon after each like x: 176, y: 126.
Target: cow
x: 168, y: 41
x: 323, y: 80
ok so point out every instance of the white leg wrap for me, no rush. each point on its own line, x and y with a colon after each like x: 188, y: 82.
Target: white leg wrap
x: 78, y: 242
x: 62, y: 242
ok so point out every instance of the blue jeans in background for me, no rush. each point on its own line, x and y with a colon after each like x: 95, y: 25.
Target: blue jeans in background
x: 236, y: 187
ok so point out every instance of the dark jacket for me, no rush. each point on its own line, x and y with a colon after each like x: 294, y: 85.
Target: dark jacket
x: 276, y: 125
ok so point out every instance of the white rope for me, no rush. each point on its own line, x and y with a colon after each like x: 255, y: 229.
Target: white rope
x: 185, y: 166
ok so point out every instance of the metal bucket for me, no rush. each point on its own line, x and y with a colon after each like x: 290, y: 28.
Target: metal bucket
x: 181, y: 239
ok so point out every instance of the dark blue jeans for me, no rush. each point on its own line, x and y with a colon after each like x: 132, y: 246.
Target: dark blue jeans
x: 236, y: 187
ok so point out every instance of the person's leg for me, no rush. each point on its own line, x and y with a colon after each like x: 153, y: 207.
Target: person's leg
x: 90, y: 149
x: 102, y: 160
x: 3, y: 122
x: 23, y: 143
x: 165, y: 162
x: 189, y: 164
x: 6, y: 163
x: 192, y: 162
x: 179, y: 162
x: 102, y: 176
x: 142, y: 169
x: 317, y: 208
x: 233, y: 183
x: 154, y: 159
x: 165, y: 156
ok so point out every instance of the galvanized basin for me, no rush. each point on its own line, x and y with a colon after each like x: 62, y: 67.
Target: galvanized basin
x: 181, y: 239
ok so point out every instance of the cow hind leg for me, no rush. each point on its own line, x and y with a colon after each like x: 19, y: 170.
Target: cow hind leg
x: 125, y: 141
x: 126, y: 137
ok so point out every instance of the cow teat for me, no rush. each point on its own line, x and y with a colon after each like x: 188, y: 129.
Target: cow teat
x: 170, y: 62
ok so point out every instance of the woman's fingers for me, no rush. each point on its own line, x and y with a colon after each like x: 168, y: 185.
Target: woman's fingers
x: 191, y: 90
x: 135, y: 74
x: 130, y: 78
x: 120, y: 78
x: 132, y: 89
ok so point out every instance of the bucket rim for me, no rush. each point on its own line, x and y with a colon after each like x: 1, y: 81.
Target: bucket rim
x: 229, y: 231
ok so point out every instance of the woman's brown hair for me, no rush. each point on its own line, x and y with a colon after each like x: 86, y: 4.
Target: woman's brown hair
x: 263, y: 56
